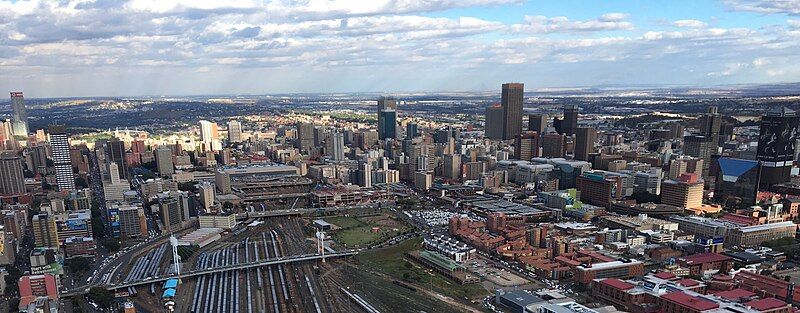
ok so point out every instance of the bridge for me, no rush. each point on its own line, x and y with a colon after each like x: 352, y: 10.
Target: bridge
x: 200, y: 272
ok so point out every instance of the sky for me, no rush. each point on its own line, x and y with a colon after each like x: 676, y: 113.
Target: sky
x: 64, y: 48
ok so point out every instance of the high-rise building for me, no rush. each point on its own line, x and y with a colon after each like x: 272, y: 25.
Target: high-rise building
x: 526, y: 146
x: 585, y: 138
x: 412, y: 130
x: 452, y: 166
x: 777, y: 139
x: 686, y: 192
x: 537, y: 123
x: 736, y: 182
x: 19, y: 115
x: 234, y: 131
x: 494, y: 122
x: 305, y: 137
x: 710, y: 124
x: 685, y: 164
x: 59, y: 143
x: 553, y: 145
x: 164, y: 161
x: 45, y: 232
x: 423, y: 180
x: 365, y: 174
x: 12, y: 181
x: 570, y: 122
x: 335, y: 146
x: 116, y: 153
x: 207, y: 193
x: 386, y: 103
x: 387, y: 124
x: 132, y: 222
x: 209, y: 135
x: 512, y: 101
x: 114, y: 187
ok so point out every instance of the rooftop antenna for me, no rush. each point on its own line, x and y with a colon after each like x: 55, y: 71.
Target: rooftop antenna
x: 175, y: 256
x: 321, y: 244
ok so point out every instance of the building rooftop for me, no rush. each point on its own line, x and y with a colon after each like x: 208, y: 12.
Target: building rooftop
x: 766, y: 304
x: 619, y: 284
x: 694, y: 302
x: 520, y: 298
x: 705, y: 258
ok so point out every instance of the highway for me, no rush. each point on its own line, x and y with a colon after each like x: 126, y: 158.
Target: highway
x: 158, y: 279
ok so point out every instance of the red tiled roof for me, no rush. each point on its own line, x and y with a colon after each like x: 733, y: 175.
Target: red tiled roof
x: 734, y: 294
x: 665, y: 275
x: 687, y: 282
x: 695, y: 303
x: 616, y: 283
x: 766, y: 304
x: 705, y: 258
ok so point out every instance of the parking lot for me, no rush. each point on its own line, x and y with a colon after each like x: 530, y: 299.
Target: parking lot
x: 495, y: 275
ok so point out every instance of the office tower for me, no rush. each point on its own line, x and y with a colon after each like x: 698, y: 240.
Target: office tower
x: 710, y: 124
x: 554, y: 145
x: 412, y: 130
x: 685, y: 164
x: 12, y: 181
x: 138, y: 146
x: 777, y: 139
x: 585, y: 138
x: 423, y: 180
x: 526, y: 146
x: 164, y: 161
x: 114, y: 187
x: 648, y: 181
x: 494, y: 122
x: 511, y: 101
x: 537, y: 123
x: 452, y: 166
x: 19, y: 116
x: 736, y: 182
x: 570, y: 122
x: 365, y: 174
x: 132, y: 222
x: 234, y: 131
x: 209, y: 135
x: 174, y: 208
x: 207, y: 193
x: 386, y: 103
x: 335, y: 146
x: 59, y: 143
x: 305, y: 137
x: 599, y: 189
x: 116, y: 153
x: 685, y: 192
x: 45, y: 232
x: 387, y: 124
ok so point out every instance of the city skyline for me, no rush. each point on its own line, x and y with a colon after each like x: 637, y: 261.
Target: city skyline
x: 135, y: 48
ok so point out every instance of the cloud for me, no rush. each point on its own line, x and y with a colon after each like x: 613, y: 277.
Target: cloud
x: 790, y: 7
x: 544, y: 24
x: 690, y: 23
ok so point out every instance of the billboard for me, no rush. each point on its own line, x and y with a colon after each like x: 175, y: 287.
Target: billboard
x: 777, y: 139
x: 113, y: 221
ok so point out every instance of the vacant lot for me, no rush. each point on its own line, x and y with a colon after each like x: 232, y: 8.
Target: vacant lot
x: 358, y: 232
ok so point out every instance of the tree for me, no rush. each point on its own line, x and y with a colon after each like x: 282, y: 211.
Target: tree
x: 111, y: 244
x: 77, y: 265
x: 227, y: 205
x: 103, y: 297
x: 81, y: 183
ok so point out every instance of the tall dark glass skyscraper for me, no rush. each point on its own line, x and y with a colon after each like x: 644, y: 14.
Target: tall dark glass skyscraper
x: 570, y: 122
x: 387, y: 104
x: 19, y: 117
x: 776, y: 145
x: 511, y: 101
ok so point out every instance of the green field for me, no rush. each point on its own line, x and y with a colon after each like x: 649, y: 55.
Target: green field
x: 357, y: 232
x: 393, y: 262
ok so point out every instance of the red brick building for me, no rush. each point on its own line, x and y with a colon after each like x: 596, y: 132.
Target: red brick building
x: 700, y: 263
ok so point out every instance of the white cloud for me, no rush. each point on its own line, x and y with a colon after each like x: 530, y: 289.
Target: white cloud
x: 690, y: 23
x: 791, y: 7
x: 544, y: 24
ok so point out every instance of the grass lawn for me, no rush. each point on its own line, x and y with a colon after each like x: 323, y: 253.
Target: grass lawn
x: 344, y: 221
x: 392, y: 261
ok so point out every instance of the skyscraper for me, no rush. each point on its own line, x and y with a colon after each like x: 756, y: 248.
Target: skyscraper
x: 511, y: 101
x: 234, y: 131
x: 386, y: 103
x: 387, y: 124
x: 553, y: 145
x: 12, y: 181
x: 164, y: 161
x: 412, y: 130
x: 305, y: 137
x: 494, y: 122
x: 570, y: 122
x: 59, y: 143
x: 526, y: 146
x: 335, y: 146
x: 19, y: 116
x: 537, y: 123
x: 777, y: 141
x: 209, y: 135
x: 116, y: 153
x: 585, y: 138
